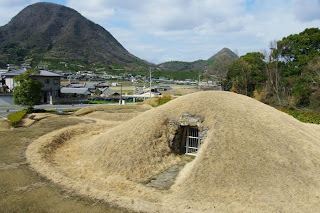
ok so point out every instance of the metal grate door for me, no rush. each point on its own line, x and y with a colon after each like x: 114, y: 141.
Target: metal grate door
x: 192, y: 141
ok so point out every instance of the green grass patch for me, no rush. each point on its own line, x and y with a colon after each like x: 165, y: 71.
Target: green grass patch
x: 306, y: 117
x: 16, y: 117
x: 51, y: 111
x: 163, y: 100
x: 112, y: 102
x: 64, y: 110
x: 70, y: 110
x: 177, y: 75
x: 102, y: 102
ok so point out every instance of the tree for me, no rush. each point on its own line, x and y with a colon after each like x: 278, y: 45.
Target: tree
x: 273, y: 70
x: 238, y: 74
x: 301, y: 91
x: 289, y: 76
x: 29, y: 90
x: 298, y: 49
x: 247, y: 73
x: 300, y: 72
x: 314, y: 66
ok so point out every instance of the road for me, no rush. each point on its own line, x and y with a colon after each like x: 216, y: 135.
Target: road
x: 6, y: 110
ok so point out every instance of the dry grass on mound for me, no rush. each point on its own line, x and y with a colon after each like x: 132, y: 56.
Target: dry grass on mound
x: 152, y: 101
x: 157, y: 101
x: 254, y: 159
x: 4, y: 124
x: 112, y: 109
x: 30, y: 119
x: 113, y: 116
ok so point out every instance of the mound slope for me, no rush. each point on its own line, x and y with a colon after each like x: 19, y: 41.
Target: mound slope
x: 253, y: 156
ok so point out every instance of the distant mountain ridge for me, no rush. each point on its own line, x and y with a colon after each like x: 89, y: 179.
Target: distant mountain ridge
x: 215, y: 65
x: 55, y: 36
x: 47, y: 31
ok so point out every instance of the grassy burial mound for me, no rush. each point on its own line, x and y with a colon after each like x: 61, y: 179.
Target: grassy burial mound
x: 253, y: 158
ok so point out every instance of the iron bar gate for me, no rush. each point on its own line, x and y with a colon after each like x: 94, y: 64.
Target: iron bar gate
x: 192, y: 141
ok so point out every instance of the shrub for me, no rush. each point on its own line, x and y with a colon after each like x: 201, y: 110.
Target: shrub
x: 301, y: 91
x: 306, y: 117
x: 157, y: 101
x: 164, y: 99
x: 315, y: 101
x: 16, y: 117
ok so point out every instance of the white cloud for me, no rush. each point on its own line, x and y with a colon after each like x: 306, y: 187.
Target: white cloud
x: 93, y: 9
x: 10, y: 8
x: 307, y: 10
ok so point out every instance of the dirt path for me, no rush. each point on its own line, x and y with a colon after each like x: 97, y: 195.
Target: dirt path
x: 23, y: 190
x: 166, y: 179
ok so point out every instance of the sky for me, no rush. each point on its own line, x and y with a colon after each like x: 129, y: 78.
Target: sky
x: 188, y: 30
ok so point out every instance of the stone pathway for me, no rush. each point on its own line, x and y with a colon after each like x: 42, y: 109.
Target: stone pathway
x: 166, y: 179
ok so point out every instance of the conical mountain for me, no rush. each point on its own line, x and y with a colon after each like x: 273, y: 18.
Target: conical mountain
x: 215, y: 65
x: 225, y: 54
x: 218, y: 63
x: 47, y: 31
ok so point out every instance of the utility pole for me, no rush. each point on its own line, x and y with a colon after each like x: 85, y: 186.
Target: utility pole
x: 144, y: 88
x: 120, y: 94
x: 199, y: 81
x: 134, y: 92
x: 150, y: 80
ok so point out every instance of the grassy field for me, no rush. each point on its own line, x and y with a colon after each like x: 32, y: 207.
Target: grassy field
x: 23, y: 190
x: 263, y: 158
x: 128, y: 87
x: 253, y: 158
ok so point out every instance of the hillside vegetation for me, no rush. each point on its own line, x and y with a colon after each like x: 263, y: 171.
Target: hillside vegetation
x: 57, y: 37
x: 287, y: 76
x: 215, y: 65
x: 61, y: 38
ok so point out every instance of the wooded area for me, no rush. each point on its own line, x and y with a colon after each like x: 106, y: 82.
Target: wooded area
x: 288, y: 75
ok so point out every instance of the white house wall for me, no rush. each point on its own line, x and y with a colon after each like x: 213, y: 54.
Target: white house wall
x: 10, y: 83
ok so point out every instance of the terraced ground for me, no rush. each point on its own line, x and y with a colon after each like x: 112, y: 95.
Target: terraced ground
x: 253, y: 158
x: 22, y: 189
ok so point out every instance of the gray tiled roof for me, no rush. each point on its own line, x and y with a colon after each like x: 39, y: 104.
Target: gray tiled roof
x: 107, y: 91
x: 15, y: 72
x: 75, y: 86
x: 49, y: 74
x: 90, y: 85
x: 42, y: 73
x: 83, y: 91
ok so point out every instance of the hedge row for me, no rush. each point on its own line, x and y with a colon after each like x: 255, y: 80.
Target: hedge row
x: 16, y: 117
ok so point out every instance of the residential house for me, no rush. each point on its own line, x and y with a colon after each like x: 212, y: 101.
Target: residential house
x: 90, y: 86
x: 105, y: 92
x: 74, y: 91
x: 50, y: 80
x: 101, y: 85
x: 75, y: 85
x: 2, y: 81
x: 73, y: 96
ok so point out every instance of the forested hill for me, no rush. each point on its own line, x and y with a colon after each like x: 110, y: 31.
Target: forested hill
x: 55, y: 33
x: 215, y: 65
